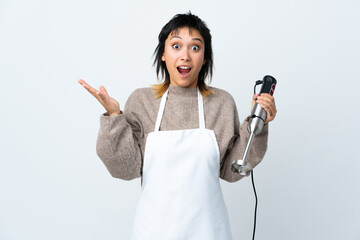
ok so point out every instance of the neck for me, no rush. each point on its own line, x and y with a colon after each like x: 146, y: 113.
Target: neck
x: 182, y: 91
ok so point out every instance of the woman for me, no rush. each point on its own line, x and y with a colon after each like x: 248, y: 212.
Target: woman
x: 180, y: 137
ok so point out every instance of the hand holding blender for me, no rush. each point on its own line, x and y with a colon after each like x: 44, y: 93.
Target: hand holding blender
x: 258, y: 119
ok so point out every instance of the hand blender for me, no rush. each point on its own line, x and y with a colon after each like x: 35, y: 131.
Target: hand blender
x: 256, y: 123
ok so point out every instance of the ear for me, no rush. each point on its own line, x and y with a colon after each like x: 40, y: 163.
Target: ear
x: 163, y: 58
x: 204, y: 62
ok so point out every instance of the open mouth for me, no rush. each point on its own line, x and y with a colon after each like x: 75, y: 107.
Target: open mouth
x: 184, y: 70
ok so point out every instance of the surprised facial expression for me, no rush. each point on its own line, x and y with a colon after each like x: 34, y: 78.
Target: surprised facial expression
x: 184, y: 56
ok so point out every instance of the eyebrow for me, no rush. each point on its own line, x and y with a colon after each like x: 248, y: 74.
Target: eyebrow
x: 196, y: 39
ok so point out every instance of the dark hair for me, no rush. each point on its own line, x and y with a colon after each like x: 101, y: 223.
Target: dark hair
x: 177, y: 22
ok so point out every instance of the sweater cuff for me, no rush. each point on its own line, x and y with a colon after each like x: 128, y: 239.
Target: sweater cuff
x: 107, y: 115
x: 107, y: 123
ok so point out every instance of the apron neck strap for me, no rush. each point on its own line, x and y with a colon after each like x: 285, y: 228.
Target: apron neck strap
x: 201, y: 110
x: 162, y: 107
x: 161, y: 111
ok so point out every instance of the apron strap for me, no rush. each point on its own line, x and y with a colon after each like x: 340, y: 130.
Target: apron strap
x: 201, y: 111
x: 161, y: 111
x: 162, y: 108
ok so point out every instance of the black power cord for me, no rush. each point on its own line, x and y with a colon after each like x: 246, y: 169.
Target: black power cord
x: 258, y: 82
x: 256, y: 203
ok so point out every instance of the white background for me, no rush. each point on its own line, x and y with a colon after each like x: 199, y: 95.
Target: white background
x: 53, y: 185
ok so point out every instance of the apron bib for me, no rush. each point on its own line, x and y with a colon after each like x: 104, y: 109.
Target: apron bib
x: 181, y: 196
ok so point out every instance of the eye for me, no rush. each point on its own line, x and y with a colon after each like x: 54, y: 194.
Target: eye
x: 176, y: 46
x: 195, y: 48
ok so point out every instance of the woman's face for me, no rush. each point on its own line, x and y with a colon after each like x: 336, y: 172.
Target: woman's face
x: 184, y: 57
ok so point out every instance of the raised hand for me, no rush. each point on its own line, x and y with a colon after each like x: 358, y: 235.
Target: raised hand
x: 111, y: 105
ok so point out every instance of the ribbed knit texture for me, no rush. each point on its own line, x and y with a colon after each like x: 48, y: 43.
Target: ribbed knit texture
x: 122, y: 139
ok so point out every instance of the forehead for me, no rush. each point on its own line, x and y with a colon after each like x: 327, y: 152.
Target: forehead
x: 186, y: 31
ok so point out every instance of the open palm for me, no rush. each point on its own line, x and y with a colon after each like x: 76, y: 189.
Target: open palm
x: 110, y: 104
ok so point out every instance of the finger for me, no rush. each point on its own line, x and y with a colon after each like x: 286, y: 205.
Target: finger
x: 90, y: 89
x: 270, y: 111
x: 266, y: 96
x: 104, y: 94
x: 81, y: 81
x: 86, y: 85
x: 268, y: 99
x: 265, y: 104
x: 102, y: 97
x: 103, y: 90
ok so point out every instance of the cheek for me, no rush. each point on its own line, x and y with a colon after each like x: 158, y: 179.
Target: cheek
x: 201, y: 55
x: 169, y: 55
x: 165, y: 53
x: 201, y: 60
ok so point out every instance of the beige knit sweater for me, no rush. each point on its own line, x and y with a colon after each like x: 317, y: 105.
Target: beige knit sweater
x: 122, y: 139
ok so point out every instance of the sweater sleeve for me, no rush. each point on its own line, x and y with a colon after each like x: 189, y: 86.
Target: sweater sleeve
x: 236, y: 148
x: 118, y: 143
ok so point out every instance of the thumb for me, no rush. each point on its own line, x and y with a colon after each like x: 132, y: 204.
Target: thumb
x: 103, y: 90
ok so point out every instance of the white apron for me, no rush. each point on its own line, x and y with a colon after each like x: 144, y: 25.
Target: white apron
x: 181, y: 196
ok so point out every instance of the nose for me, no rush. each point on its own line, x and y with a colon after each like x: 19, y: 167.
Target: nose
x: 185, y: 55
